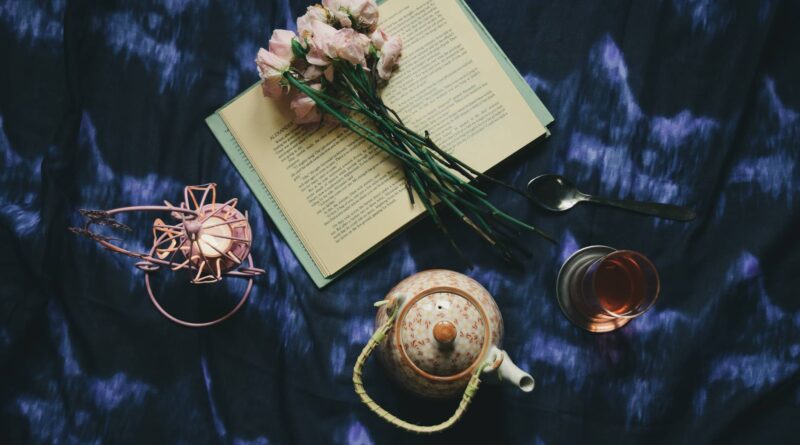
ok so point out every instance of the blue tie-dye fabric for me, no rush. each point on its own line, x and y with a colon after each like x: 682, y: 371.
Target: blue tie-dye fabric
x: 688, y: 101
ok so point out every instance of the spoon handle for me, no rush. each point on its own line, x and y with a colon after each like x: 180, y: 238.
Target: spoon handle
x: 668, y: 211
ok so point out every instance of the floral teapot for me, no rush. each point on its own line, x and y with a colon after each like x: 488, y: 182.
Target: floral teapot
x: 437, y: 332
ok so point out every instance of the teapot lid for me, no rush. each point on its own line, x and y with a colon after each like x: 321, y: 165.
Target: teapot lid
x: 443, y: 333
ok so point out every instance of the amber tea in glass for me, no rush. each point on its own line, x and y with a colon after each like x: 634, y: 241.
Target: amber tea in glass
x: 601, y: 289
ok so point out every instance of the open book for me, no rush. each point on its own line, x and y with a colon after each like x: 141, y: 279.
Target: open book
x: 333, y: 196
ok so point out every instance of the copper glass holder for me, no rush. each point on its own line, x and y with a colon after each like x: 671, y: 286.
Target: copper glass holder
x: 577, y: 289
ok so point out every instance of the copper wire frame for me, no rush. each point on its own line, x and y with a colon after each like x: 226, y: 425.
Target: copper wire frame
x: 169, y: 239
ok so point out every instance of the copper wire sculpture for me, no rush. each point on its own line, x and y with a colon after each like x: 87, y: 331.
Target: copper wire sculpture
x: 213, y: 239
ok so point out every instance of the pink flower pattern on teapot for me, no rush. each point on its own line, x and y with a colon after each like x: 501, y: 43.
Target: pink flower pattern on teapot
x: 447, y: 325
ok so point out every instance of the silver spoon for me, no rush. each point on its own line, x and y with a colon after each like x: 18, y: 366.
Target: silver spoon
x: 559, y: 194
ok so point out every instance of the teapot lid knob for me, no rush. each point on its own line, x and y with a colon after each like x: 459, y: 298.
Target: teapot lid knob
x: 445, y: 332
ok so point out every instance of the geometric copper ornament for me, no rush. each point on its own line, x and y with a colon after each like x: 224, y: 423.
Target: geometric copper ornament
x: 213, y: 241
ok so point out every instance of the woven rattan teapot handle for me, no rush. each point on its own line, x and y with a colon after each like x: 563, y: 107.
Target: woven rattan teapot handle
x: 374, y: 341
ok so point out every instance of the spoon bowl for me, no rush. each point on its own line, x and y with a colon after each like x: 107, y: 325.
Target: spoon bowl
x: 554, y: 192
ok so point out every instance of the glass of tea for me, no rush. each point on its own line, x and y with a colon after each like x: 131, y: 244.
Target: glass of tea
x: 600, y: 288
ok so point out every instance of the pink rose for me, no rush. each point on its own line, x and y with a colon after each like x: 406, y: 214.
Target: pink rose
x: 340, y: 11
x: 281, y: 44
x: 350, y: 45
x: 270, y: 70
x: 304, y: 23
x: 272, y: 88
x: 365, y: 13
x: 319, y: 13
x: 378, y: 38
x: 390, y: 54
x: 266, y: 59
x: 304, y: 108
x: 320, y: 52
x: 360, y: 14
x: 314, y: 72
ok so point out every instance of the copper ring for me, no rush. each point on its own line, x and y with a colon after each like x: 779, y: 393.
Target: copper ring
x: 203, y: 324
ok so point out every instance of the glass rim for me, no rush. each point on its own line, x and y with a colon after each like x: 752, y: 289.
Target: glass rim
x: 638, y: 310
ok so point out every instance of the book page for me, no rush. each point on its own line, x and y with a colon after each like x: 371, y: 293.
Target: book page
x: 343, y: 195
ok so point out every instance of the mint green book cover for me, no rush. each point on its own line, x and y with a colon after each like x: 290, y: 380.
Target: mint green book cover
x: 268, y: 202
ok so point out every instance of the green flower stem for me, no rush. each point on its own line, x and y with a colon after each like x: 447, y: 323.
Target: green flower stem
x: 499, y: 213
x: 392, y: 126
x: 421, y: 152
x: 431, y: 173
x: 351, y: 124
x: 431, y: 210
x: 320, y: 100
x: 437, y: 168
x: 433, y: 166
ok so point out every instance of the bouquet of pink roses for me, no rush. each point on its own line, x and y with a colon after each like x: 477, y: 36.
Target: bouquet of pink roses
x: 336, y: 65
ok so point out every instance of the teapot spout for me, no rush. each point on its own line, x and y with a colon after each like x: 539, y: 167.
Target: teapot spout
x: 510, y: 372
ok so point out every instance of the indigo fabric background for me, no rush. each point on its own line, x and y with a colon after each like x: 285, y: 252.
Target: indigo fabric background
x: 688, y: 101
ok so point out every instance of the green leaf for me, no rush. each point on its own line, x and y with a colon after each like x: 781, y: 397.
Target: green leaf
x: 298, y: 49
